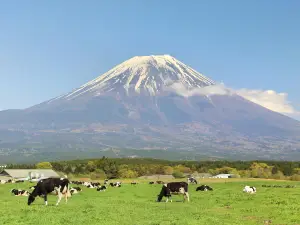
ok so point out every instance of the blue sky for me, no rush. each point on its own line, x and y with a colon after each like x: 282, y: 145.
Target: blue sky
x: 47, y: 48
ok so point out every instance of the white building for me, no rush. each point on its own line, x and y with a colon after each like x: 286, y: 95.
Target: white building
x: 223, y: 175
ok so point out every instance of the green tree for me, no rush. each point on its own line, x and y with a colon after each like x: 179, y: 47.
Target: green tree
x: 91, y: 166
x: 127, y: 173
x: 44, y: 165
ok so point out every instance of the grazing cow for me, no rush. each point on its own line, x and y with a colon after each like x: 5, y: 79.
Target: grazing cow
x: 174, y: 188
x: 151, y: 182
x: 102, y: 188
x: 204, y: 188
x: 249, y: 189
x: 46, y: 186
x: 192, y: 180
x: 19, y: 192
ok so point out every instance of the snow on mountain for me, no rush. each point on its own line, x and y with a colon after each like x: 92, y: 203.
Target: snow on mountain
x: 147, y: 74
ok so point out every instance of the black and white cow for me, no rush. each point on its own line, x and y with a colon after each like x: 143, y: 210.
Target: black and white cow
x: 102, y: 188
x: 75, y: 190
x: 46, y: 186
x: 106, y: 181
x: 192, y: 180
x: 249, y: 189
x: 174, y: 188
x: 204, y: 188
x: 19, y: 192
x: 151, y: 182
x: 117, y: 184
x: 96, y: 184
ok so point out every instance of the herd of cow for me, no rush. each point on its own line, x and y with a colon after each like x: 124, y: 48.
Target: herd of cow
x: 61, y: 188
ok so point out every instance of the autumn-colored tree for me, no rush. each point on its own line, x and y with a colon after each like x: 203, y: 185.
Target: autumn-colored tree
x: 168, y: 170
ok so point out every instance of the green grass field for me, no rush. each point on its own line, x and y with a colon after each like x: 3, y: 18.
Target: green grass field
x: 227, y: 204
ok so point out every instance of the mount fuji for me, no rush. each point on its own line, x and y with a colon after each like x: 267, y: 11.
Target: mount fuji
x: 147, y: 103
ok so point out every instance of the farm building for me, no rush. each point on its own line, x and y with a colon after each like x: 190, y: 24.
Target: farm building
x: 223, y: 176
x: 27, y: 174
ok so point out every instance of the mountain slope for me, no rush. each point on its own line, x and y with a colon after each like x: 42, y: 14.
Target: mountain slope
x: 156, y: 102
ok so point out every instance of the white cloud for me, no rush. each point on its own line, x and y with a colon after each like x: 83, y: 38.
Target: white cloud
x: 218, y: 89
x: 269, y: 99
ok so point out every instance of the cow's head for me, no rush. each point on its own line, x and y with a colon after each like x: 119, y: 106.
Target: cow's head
x: 31, y: 199
x: 164, y: 192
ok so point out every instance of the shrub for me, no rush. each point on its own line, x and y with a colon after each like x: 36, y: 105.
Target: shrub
x: 178, y: 174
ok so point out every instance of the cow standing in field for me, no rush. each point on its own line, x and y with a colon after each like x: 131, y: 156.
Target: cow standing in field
x: 192, y: 180
x: 249, y: 189
x: 174, y: 188
x: 46, y: 186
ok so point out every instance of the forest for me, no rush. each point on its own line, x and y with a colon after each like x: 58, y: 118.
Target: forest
x: 132, y: 168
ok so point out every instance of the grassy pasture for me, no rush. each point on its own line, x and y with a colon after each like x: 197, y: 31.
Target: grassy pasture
x: 135, y: 205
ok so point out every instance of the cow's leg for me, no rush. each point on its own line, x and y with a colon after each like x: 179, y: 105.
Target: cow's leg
x: 45, y: 199
x: 59, y: 195
x: 187, y: 196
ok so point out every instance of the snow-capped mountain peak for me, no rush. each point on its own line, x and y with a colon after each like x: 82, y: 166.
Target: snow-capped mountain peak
x: 148, y: 74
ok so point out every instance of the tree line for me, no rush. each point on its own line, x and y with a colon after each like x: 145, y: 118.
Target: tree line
x: 132, y: 168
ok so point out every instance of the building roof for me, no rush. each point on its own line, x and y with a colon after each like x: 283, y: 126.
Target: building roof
x: 23, y: 173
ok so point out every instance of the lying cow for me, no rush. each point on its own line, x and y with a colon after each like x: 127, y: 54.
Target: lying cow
x: 19, y: 192
x: 75, y: 190
x: 192, y: 180
x: 249, y: 189
x: 204, y: 188
x: 117, y: 184
x: 102, y: 188
x: 46, y: 186
x: 174, y: 188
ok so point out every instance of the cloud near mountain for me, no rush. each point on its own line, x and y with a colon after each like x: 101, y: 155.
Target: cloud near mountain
x: 277, y: 102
